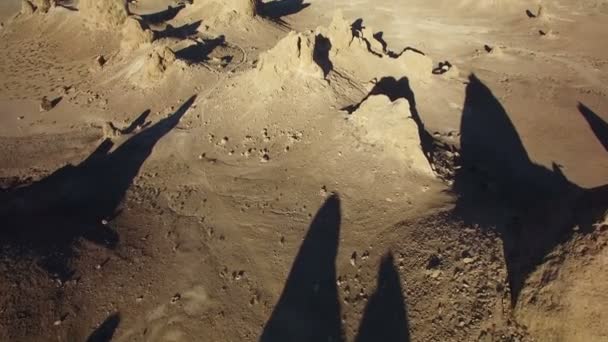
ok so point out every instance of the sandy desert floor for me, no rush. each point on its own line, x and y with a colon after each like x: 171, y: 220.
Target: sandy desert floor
x: 345, y: 170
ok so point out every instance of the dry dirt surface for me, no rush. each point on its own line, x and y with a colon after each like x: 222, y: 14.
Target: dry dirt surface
x: 287, y: 170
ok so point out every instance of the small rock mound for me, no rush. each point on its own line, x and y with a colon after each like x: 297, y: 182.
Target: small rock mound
x: 390, y: 126
x: 294, y: 53
x: 106, y: 14
x: 157, y: 63
x: 27, y: 7
x: 42, y: 6
x: 135, y: 34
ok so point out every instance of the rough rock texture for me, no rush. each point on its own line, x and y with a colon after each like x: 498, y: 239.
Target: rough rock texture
x: 106, y: 14
x: 135, y: 34
x: 389, y: 125
x: 157, y: 63
x: 42, y: 6
x: 27, y: 7
x: 563, y: 297
x: 294, y: 52
x: 293, y: 55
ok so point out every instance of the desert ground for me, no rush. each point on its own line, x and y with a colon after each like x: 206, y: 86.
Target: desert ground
x: 287, y: 170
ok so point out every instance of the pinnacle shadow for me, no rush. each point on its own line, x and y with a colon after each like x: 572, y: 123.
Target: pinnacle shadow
x: 308, y: 308
x: 385, y: 316
x: 277, y: 9
x: 162, y: 16
x: 499, y: 187
x: 47, y: 219
x: 105, y: 331
x: 181, y: 32
x: 596, y: 123
x: 199, y: 52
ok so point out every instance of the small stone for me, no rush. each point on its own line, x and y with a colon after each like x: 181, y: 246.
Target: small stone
x: 265, y: 158
x: 353, y: 259
x: 238, y: 275
x: 433, y: 262
x: 104, y: 222
x: 45, y: 104
x: 100, y: 60
x: 323, y: 191
x: 254, y: 300
x: 57, y: 323
x: 139, y: 299
x: 468, y: 260
x: 176, y: 298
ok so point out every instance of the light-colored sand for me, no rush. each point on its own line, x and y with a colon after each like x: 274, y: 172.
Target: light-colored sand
x: 225, y: 175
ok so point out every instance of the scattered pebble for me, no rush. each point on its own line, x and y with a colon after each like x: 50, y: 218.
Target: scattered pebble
x: 323, y: 191
x: 353, y: 259
x: 45, y: 104
x: 434, y: 261
x: 100, y: 60
x: 176, y: 298
x: 238, y: 275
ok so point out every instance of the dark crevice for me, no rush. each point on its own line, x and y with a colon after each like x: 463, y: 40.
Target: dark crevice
x: 321, y: 54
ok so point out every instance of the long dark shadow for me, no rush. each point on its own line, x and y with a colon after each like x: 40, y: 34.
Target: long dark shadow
x: 47, y: 218
x: 181, y: 32
x: 500, y: 188
x: 199, y: 52
x: 162, y: 16
x: 105, y: 331
x: 598, y: 126
x: 308, y: 309
x: 138, y: 123
x: 276, y: 10
x: 385, y: 316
